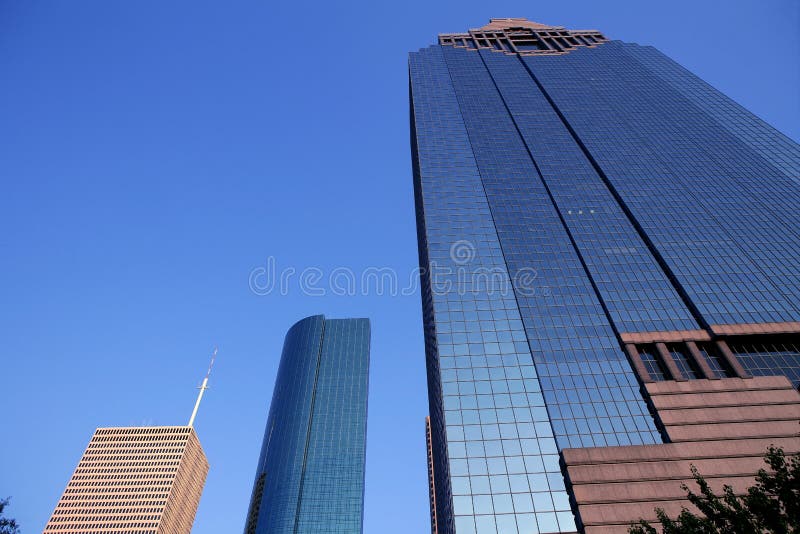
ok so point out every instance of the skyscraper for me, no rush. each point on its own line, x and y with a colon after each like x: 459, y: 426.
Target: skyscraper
x: 598, y: 229
x: 145, y: 480
x: 310, y: 474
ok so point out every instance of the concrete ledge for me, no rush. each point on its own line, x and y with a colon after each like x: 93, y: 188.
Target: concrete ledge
x: 676, y: 451
x: 619, y: 492
x: 725, y: 398
x: 730, y: 414
x: 750, y: 429
x: 669, y: 387
x: 624, y: 514
x: 665, y: 470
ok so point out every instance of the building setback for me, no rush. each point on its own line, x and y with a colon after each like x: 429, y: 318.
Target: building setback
x: 609, y: 251
x: 145, y: 480
x: 310, y: 474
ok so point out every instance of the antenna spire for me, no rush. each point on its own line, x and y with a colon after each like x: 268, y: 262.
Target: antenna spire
x: 203, y: 388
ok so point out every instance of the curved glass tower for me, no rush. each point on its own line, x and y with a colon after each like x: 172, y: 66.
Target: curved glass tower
x: 310, y: 475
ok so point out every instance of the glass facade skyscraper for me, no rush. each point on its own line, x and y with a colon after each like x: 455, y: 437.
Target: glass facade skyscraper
x: 591, y: 217
x: 310, y: 474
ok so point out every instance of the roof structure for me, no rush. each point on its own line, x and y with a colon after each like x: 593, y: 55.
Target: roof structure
x: 523, y: 37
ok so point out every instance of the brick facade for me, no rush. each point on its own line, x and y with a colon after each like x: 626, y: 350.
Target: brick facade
x: 723, y: 427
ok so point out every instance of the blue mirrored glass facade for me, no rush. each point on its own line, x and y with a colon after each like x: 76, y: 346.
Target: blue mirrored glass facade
x: 310, y: 475
x: 580, y: 201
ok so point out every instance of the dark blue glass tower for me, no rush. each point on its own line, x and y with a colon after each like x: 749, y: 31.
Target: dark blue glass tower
x: 590, y: 216
x: 310, y: 475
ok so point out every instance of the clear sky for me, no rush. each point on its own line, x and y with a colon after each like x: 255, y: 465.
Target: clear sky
x: 155, y: 154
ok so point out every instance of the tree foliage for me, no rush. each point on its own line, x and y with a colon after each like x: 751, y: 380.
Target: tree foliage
x: 7, y: 525
x: 771, y: 506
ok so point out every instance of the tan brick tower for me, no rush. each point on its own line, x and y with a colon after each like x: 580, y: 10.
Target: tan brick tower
x: 136, y: 480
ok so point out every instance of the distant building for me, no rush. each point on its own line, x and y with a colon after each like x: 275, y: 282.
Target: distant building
x: 310, y: 474
x: 610, y: 280
x: 135, y: 480
x: 144, y: 480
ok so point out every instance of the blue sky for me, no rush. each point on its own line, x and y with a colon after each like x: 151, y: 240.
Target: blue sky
x: 153, y: 154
